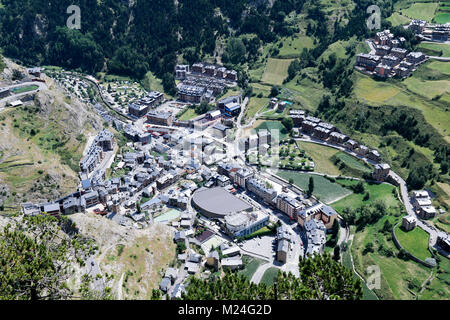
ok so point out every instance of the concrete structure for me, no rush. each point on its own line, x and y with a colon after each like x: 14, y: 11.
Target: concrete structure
x: 245, y: 223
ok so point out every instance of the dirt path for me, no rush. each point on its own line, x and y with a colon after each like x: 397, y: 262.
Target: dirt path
x: 119, y: 287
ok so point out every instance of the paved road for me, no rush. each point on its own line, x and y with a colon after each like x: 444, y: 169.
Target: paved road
x: 434, y: 233
x: 371, y: 46
x: 444, y: 59
x: 257, y: 276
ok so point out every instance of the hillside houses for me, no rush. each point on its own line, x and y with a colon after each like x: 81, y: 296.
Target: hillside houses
x: 430, y: 31
x: 324, y: 131
x: 203, y: 82
x: 422, y: 204
x: 140, y: 107
x: 390, y: 59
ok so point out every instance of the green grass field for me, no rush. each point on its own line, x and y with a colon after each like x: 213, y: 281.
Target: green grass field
x: 24, y: 89
x: 188, y: 114
x: 269, y: 276
x: 423, y: 11
x: 439, y: 287
x: 273, y: 125
x: 323, y: 188
x: 251, y: 264
x: 442, y: 17
x: 276, y: 71
x: 377, y: 192
x: 427, y: 89
x: 396, y: 93
x: 150, y: 82
x: 435, y: 48
x: 397, y: 19
x: 396, y: 274
x: 352, y: 162
x: 414, y: 241
x: 293, y: 47
x: 321, y: 155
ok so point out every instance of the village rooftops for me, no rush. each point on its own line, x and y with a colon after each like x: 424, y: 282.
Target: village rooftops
x: 313, y: 119
x: 382, y: 166
x: 220, y: 127
x: 420, y: 194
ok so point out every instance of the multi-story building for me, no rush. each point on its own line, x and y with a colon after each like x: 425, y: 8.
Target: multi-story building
x: 210, y: 70
x: 381, y: 171
x: 362, y: 150
x: 231, y: 75
x: 197, y: 67
x: 190, y: 93
x: 298, y: 116
x: 282, y: 251
x: 399, y: 53
x: 338, y: 138
x: 409, y: 222
x: 308, y: 126
x: 245, y: 223
x: 264, y: 137
x: 321, y: 133
x: 261, y: 190
x: 374, y: 155
x: 351, y: 144
x: 415, y: 57
x: 242, y: 176
x: 383, y: 70
x: 417, y: 26
x: 390, y: 60
x: 160, y: 118
x: 181, y: 71
x: 382, y: 50
x: 319, y: 212
x: 288, y: 205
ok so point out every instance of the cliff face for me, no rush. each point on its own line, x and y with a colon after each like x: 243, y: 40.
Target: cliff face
x: 41, y: 145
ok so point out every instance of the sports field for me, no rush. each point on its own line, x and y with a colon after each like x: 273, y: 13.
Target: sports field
x: 168, y: 216
x: 276, y: 71
x: 212, y: 242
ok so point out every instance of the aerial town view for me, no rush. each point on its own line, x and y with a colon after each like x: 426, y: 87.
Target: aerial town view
x: 215, y: 150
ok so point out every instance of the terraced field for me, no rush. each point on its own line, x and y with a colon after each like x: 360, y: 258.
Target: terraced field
x: 276, y: 71
x: 423, y: 11
x: 414, y: 92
